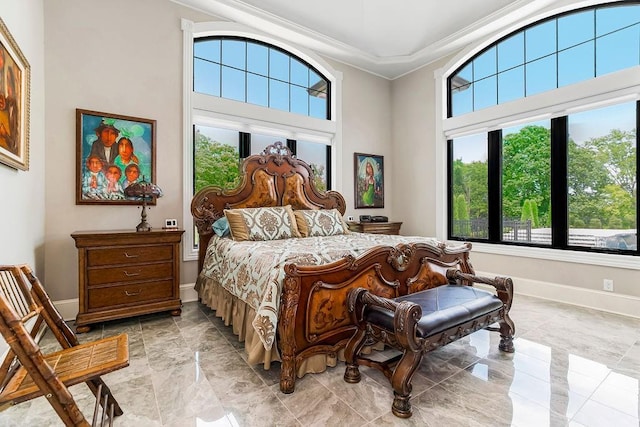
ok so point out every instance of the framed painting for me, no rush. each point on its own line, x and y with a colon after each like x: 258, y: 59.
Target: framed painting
x: 368, y: 180
x: 112, y: 152
x: 15, y: 77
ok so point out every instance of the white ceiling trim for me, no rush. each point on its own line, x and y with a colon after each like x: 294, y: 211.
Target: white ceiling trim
x: 389, y: 67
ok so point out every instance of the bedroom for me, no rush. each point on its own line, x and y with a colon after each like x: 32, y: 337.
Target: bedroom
x: 90, y: 54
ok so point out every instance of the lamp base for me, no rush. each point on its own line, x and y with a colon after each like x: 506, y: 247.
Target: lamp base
x: 143, y: 226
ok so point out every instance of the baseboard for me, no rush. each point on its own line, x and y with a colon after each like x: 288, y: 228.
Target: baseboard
x: 605, y: 301
x: 68, y: 308
x: 610, y: 302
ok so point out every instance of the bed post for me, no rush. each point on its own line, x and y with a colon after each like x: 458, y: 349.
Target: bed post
x: 286, y: 328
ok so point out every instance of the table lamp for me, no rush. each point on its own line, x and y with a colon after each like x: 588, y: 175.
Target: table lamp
x: 145, y: 191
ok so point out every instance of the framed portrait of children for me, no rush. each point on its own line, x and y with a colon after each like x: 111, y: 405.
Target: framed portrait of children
x: 368, y: 180
x: 112, y: 152
x: 15, y: 76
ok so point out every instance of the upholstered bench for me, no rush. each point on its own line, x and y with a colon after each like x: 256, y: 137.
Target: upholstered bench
x: 424, y: 321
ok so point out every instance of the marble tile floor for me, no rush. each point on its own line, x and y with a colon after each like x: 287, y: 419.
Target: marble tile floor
x: 572, y: 367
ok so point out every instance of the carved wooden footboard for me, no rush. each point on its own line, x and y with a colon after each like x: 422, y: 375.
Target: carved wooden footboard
x: 313, y: 312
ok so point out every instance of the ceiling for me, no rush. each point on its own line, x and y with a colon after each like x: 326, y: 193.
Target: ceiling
x: 386, y: 38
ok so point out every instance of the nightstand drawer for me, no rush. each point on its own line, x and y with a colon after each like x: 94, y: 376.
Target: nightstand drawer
x: 129, y: 273
x: 133, y: 293
x: 128, y: 255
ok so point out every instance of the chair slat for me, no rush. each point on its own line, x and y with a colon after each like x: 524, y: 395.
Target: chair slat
x: 25, y: 373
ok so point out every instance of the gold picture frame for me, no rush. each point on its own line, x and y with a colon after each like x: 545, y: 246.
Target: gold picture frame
x: 15, y: 78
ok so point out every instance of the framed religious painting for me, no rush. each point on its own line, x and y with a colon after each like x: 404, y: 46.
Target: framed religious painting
x: 368, y: 180
x: 15, y: 76
x: 112, y: 153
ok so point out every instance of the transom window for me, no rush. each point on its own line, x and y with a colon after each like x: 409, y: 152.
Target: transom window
x: 561, y: 171
x: 261, y: 74
x: 550, y: 54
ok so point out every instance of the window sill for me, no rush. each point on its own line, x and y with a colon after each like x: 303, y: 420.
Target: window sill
x: 600, y: 259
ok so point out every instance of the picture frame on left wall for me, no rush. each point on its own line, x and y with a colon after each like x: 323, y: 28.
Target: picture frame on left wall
x: 112, y: 152
x: 15, y: 80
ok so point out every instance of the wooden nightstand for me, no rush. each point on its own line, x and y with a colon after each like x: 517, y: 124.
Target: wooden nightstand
x: 127, y: 273
x: 375, y: 227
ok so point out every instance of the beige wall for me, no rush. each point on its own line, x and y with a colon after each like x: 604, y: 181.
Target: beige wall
x: 366, y: 128
x: 22, y: 218
x: 413, y: 102
x: 413, y: 122
x: 132, y: 65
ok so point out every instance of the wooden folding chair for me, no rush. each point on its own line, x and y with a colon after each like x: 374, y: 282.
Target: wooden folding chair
x: 26, y: 373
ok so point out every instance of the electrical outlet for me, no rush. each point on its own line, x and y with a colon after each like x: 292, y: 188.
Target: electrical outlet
x: 350, y: 218
x: 607, y: 285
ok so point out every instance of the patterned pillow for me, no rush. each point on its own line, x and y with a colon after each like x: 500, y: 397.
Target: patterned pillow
x: 269, y: 223
x: 320, y: 222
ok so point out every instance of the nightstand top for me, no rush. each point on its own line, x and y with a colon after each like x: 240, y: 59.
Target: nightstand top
x: 125, y: 231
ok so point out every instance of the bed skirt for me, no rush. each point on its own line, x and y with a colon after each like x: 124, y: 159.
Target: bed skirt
x: 238, y: 315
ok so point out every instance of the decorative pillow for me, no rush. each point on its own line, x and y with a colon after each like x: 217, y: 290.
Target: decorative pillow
x: 320, y: 222
x: 221, y: 227
x: 269, y: 223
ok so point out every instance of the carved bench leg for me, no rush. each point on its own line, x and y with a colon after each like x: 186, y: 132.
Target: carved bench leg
x: 353, y: 348
x: 401, y: 383
x: 507, y: 329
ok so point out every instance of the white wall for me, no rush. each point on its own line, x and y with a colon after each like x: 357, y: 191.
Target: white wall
x: 22, y: 217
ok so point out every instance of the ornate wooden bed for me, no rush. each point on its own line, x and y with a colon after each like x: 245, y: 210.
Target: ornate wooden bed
x: 313, y: 318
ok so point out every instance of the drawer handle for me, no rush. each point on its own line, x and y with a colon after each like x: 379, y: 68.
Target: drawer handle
x: 133, y: 294
x: 126, y: 255
x: 126, y: 273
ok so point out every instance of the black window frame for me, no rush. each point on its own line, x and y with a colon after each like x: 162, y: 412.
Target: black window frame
x: 559, y: 140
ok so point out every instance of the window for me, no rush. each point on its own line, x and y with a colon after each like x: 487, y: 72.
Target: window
x: 602, y: 176
x: 559, y: 171
x: 254, y: 72
x: 243, y: 91
x: 556, y: 52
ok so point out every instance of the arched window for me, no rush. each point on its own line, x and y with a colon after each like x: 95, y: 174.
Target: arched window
x: 258, y: 73
x: 549, y: 54
x: 244, y: 90
x: 540, y: 129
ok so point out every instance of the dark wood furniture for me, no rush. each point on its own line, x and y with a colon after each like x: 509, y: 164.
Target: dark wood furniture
x: 375, y: 227
x: 424, y: 321
x: 313, y: 317
x: 27, y: 373
x: 127, y: 273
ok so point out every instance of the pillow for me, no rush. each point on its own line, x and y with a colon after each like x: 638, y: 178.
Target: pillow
x: 269, y: 223
x: 320, y: 222
x: 221, y: 227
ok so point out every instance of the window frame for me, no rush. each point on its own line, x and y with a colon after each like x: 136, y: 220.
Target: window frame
x: 213, y: 111
x: 613, y: 88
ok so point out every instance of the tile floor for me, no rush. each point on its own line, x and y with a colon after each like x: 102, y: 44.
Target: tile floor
x: 572, y: 367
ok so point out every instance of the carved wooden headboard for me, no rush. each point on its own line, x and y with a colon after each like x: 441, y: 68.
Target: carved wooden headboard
x: 273, y: 178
